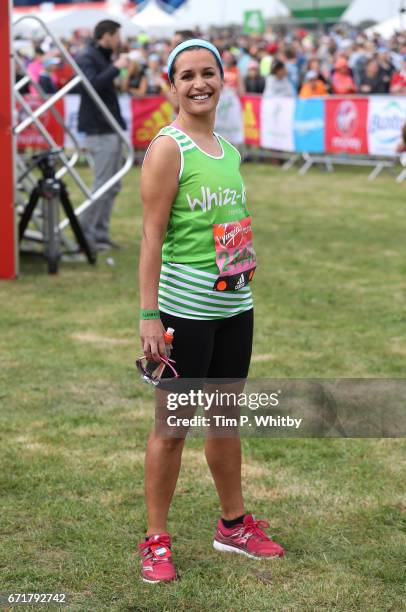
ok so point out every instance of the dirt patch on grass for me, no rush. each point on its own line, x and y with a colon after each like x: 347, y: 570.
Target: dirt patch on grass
x: 263, y: 357
x: 398, y: 346
x: 31, y: 445
x: 99, y: 340
x: 125, y: 457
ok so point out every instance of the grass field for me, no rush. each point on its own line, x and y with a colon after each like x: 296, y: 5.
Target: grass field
x: 329, y: 296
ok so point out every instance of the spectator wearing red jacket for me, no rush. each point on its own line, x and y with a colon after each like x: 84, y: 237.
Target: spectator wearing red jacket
x: 398, y: 81
x: 341, y: 81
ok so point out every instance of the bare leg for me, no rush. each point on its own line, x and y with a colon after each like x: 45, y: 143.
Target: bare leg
x: 162, y: 465
x: 224, y: 459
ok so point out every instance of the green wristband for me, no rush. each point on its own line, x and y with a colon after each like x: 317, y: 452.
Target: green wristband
x: 149, y: 314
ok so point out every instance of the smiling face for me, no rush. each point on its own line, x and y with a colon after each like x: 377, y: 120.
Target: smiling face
x: 197, y: 81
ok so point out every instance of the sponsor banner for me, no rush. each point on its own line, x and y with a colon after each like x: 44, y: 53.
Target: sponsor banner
x: 125, y: 102
x: 277, y: 116
x: 386, y: 117
x: 149, y: 115
x: 309, y: 125
x: 31, y: 137
x: 370, y: 125
x: 72, y: 102
x: 229, y: 120
x: 251, y: 111
x: 346, y: 125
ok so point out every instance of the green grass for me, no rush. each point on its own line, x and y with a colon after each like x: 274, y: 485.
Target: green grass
x: 329, y: 297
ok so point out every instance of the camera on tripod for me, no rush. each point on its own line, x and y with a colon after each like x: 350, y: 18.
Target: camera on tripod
x: 46, y: 162
x: 50, y: 193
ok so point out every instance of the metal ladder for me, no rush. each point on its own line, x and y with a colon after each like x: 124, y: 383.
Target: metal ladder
x: 24, y: 177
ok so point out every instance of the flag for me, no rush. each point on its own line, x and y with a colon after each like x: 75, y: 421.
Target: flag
x: 170, y: 6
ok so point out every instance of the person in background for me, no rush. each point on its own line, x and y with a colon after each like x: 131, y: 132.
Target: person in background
x: 103, y: 144
x: 371, y: 79
x: 312, y: 86
x: 19, y: 73
x: 254, y: 82
x: 341, y: 81
x: 46, y: 81
x: 386, y: 68
x: 277, y: 83
x: 266, y: 58
x: 35, y: 67
x: 244, y: 61
x: 180, y: 36
x: 62, y: 72
x: 135, y: 81
x: 153, y: 74
x: 314, y: 63
x: 292, y: 67
x: 232, y: 75
x: 356, y: 61
x: 398, y: 81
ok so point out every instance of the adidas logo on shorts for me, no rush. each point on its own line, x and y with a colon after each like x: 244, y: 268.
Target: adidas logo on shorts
x: 240, y: 282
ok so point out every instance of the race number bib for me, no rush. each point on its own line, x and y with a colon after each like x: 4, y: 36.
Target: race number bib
x: 235, y: 255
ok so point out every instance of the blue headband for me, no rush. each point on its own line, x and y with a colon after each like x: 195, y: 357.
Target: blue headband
x: 193, y: 42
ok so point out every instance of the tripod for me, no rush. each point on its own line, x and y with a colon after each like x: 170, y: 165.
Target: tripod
x: 51, y: 192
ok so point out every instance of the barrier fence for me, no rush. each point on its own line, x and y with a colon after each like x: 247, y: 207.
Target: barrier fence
x: 361, y: 126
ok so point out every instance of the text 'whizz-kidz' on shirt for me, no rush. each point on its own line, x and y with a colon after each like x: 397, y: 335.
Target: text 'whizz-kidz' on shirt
x: 222, y: 197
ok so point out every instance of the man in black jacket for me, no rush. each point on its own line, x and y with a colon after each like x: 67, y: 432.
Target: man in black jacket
x: 102, y: 143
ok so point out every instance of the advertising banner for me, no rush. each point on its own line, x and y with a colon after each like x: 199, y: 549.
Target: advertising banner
x: 277, y: 116
x: 229, y: 121
x: 386, y: 117
x: 31, y: 137
x: 149, y: 115
x: 346, y: 125
x: 72, y: 102
x: 364, y: 126
x: 251, y: 112
x: 309, y: 125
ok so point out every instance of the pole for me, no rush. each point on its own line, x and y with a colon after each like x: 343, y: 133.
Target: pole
x: 8, y: 241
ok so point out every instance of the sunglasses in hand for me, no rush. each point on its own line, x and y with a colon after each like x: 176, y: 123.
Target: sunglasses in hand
x: 153, y: 376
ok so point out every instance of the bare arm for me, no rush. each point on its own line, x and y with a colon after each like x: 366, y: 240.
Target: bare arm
x: 141, y: 90
x: 240, y: 85
x: 159, y: 186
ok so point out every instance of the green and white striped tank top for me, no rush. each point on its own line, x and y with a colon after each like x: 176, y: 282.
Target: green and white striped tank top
x: 211, y: 191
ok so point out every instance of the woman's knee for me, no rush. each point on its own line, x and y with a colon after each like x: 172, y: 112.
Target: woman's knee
x: 168, y: 445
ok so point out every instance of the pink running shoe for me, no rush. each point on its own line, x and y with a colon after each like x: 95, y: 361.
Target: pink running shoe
x: 247, y: 539
x: 156, y: 562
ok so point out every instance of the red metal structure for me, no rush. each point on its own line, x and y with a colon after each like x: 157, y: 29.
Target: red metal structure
x: 8, y: 244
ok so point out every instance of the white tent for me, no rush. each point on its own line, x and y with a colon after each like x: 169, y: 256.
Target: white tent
x: 155, y: 21
x: 204, y: 13
x: 372, y: 10
x: 389, y: 27
x: 63, y: 22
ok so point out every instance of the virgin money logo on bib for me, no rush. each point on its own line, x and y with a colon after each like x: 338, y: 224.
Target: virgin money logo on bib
x: 229, y: 235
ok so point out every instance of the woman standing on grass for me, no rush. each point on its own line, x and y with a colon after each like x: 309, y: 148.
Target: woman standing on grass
x: 196, y: 262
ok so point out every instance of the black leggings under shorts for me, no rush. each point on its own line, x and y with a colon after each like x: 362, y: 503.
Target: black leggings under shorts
x: 220, y: 348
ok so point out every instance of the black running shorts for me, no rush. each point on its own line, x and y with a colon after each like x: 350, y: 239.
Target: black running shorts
x: 220, y: 348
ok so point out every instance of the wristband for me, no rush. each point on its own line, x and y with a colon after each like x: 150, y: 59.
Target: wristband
x: 149, y: 314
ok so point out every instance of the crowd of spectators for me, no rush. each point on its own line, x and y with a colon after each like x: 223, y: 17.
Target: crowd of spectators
x: 294, y: 63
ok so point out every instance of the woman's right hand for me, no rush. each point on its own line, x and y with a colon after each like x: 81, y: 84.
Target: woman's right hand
x: 152, y: 338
